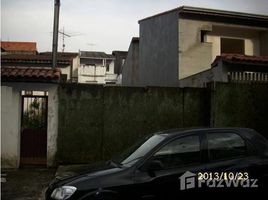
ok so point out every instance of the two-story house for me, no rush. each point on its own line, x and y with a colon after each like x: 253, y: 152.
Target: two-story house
x: 185, y: 41
x: 96, y: 68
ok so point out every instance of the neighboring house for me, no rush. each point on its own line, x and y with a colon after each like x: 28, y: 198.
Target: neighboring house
x: 18, y: 48
x: 130, y: 76
x: 120, y: 58
x: 185, y: 41
x: 68, y: 62
x: 29, y: 110
x: 231, y: 68
x: 96, y: 68
x: 74, y: 63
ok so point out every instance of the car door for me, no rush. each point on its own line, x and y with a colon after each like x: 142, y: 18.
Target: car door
x: 177, y: 160
x: 229, y: 155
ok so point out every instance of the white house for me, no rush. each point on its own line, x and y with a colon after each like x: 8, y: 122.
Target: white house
x: 96, y: 68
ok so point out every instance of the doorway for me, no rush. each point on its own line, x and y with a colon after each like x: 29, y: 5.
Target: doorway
x: 33, y: 149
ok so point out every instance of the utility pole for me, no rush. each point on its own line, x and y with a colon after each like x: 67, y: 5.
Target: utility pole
x: 55, y: 33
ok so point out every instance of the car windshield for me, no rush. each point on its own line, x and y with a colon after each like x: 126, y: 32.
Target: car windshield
x: 139, y: 150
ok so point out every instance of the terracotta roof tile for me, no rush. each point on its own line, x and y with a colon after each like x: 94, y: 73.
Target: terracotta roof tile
x: 30, y: 74
x: 240, y: 59
x: 19, y: 46
x: 34, y: 59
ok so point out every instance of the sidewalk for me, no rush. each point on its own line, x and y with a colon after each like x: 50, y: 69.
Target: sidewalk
x: 25, y: 183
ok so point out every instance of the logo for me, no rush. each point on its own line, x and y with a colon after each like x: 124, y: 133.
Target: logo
x: 190, y: 180
x: 187, y: 180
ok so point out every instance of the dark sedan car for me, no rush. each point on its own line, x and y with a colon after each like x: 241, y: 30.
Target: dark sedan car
x: 166, y: 164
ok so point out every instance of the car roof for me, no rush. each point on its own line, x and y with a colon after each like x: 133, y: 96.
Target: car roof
x: 182, y: 131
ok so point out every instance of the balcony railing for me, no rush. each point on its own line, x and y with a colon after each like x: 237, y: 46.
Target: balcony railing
x: 248, y: 77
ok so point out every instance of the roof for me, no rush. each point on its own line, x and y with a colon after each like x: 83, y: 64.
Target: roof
x: 26, y: 74
x: 135, y: 39
x: 60, y: 55
x: 18, y: 46
x: 120, y: 53
x: 33, y: 59
x: 95, y: 54
x: 240, y: 59
x: 186, y: 10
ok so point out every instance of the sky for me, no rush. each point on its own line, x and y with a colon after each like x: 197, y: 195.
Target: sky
x: 96, y: 25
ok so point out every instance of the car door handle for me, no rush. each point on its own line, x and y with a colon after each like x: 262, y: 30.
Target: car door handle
x: 148, y: 196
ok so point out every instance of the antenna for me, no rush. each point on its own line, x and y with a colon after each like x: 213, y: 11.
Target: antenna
x: 63, y: 34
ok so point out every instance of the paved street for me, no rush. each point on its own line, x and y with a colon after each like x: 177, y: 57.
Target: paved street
x: 25, y: 184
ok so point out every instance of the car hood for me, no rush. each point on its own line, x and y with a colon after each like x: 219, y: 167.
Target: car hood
x: 68, y: 171
x: 86, y: 176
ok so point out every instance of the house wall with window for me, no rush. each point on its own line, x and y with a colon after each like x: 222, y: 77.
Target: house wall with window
x: 201, y: 41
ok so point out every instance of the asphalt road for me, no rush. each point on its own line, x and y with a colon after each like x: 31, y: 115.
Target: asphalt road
x: 26, y: 183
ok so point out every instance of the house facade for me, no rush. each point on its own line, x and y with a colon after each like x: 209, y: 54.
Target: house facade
x: 231, y: 68
x: 96, y: 68
x: 184, y: 41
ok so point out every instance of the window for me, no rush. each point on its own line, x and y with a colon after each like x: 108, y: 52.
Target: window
x: 225, y: 146
x: 230, y: 45
x: 107, y: 67
x: 138, y: 150
x: 180, y: 152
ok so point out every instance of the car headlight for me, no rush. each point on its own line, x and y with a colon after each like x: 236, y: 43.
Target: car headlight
x: 63, y: 192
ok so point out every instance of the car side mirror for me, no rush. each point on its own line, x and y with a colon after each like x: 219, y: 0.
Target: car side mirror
x: 153, y: 166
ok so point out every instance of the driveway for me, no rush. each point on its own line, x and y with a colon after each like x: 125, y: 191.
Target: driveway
x: 25, y: 183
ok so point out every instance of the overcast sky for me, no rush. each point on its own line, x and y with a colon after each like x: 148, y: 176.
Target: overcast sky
x: 96, y: 25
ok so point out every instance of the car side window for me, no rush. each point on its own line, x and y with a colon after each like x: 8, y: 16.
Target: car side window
x: 179, y: 152
x: 223, y: 146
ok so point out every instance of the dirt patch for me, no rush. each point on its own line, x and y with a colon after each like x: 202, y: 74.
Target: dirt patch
x: 25, y: 184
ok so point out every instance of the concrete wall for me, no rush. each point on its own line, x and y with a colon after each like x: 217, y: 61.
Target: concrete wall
x: 194, y: 55
x: 67, y: 71
x: 159, y: 50
x: 240, y: 105
x: 10, y: 127
x: 12, y: 131
x: 130, y: 71
x: 97, y: 122
x: 201, y: 79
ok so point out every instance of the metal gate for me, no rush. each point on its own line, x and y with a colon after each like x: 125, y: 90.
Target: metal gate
x: 34, y: 130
